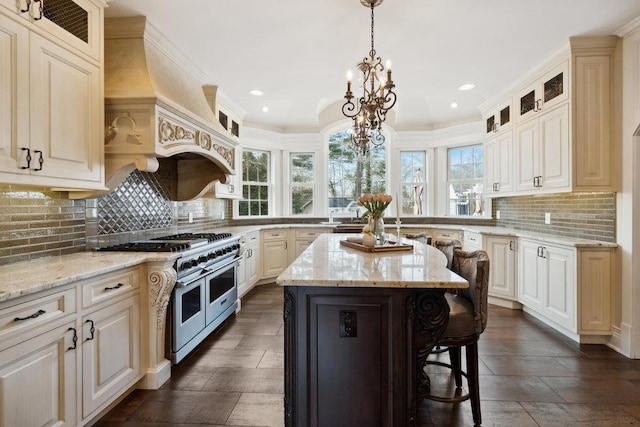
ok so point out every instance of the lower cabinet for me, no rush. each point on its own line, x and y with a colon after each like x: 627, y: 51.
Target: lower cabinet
x: 502, y: 269
x: 303, y: 239
x: 50, y: 347
x: 548, y: 281
x: 38, y: 380
x: 110, y: 352
x: 248, y: 266
x: 274, y: 252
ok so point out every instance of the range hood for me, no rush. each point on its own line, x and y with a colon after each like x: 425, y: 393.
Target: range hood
x: 156, y: 109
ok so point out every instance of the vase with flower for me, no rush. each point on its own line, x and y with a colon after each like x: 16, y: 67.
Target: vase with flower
x: 375, y: 204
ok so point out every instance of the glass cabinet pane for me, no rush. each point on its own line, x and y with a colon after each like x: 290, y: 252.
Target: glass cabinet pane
x: 553, y: 87
x: 505, y: 115
x: 527, y: 102
x: 69, y: 16
x: 491, y: 123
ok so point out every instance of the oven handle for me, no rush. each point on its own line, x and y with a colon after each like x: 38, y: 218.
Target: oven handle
x: 187, y: 280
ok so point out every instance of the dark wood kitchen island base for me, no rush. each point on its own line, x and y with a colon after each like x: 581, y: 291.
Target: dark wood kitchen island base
x: 350, y: 359
x: 358, y: 327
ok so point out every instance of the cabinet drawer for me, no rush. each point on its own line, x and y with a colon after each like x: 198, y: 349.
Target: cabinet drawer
x: 446, y: 234
x: 472, y: 241
x: 307, y: 234
x: 25, y: 317
x: 109, y: 286
x: 274, y: 234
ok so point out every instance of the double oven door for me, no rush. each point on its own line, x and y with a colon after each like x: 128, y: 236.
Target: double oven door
x: 200, y: 305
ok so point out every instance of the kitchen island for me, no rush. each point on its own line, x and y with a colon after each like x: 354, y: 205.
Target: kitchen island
x: 358, y: 327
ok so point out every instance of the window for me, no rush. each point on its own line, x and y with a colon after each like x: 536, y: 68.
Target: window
x: 351, y: 176
x: 255, y: 184
x: 302, y: 182
x: 413, y: 186
x: 465, y: 180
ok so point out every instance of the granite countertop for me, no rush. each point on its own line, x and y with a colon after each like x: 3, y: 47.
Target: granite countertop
x: 328, y: 264
x: 26, y: 278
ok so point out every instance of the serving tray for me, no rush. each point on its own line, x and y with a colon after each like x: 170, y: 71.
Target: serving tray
x: 388, y: 247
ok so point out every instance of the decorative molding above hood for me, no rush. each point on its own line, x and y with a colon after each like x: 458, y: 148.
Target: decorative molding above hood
x: 156, y: 108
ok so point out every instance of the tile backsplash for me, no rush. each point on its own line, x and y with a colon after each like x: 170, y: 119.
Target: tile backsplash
x: 36, y: 222
x: 581, y: 215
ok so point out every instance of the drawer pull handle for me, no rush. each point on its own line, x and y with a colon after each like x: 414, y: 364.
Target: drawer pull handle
x: 40, y: 11
x: 74, y: 339
x: 91, y: 330
x: 111, y: 288
x: 223, y: 301
x: 33, y: 316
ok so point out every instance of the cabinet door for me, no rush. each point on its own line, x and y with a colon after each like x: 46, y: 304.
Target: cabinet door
x: 66, y: 116
x: 301, y: 245
x: 491, y: 166
x: 77, y: 23
x: 111, y: 353
x: 14, y: 96
x: 560, y: 286
x: 505, y: 162
x: 594, y: 291
x: 502, y: 278
x: 274, y: 257
x: 531, y: 273
x: 243, y: 284
x: 38, y: 380
x: 554, y: 148
x: 252, y: 265
x: 526, y: 155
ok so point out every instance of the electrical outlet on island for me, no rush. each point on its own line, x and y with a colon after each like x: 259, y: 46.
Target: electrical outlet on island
x: 547, y: 218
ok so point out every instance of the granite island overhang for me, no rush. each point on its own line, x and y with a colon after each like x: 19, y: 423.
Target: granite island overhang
x: 356, y: 324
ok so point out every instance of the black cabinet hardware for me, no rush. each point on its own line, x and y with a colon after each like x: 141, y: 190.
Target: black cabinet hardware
x: 33, y: 316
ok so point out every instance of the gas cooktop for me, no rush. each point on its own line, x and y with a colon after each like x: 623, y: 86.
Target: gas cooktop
x: 172, y: 243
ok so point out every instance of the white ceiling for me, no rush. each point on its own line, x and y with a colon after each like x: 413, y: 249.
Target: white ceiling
x: 298, y: 51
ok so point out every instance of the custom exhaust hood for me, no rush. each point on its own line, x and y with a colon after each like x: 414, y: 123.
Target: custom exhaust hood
x: 157, y: 114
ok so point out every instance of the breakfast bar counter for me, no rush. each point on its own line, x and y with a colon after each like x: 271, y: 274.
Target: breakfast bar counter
x: 358, y: 327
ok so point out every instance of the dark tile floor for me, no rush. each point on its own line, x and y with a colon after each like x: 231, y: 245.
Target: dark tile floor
x: 530, y: 376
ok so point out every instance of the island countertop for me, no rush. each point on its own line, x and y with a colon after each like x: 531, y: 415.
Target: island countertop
x: 328, y: 264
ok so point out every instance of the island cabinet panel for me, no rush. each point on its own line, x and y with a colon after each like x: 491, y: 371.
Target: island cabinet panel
x: 348, y: 360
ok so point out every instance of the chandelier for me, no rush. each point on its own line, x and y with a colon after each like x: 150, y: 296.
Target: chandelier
x: 370, y: 110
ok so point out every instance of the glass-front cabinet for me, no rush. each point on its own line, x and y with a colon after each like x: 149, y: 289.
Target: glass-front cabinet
x: 544, y: 93
x: 500, y: 118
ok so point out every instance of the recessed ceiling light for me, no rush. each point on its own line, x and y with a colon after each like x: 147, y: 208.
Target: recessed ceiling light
x: 256, y: 92
x: 466, y: 86
x: 454, y: 104
x: 265, y: 109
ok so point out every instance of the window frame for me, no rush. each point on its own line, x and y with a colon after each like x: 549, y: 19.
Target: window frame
x: 310, y: 184
x: 268, y: 184
x: 476, y: 181
x: 426, y: 183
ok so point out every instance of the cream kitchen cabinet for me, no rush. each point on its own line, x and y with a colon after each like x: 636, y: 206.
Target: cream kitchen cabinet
x: 502, y: 275
x: 542, y: 151
x: 440, y: 233
x: 303, y: 239
x: 60, y: 363
x: 52, y: 115
x: 110, y: 352
x: 248, y: 266
x: 472, y: 241
x: 76, y: 24
x: 568, y: 287
x: 274, y: 252
x: 38, y: 380
x: 498, y: 119
x: 547, y: 281
x: 545, y: 92
x: 498, y: 152
x: 564, y: 137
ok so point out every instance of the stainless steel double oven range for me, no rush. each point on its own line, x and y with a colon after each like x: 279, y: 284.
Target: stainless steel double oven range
x: 206, y: 291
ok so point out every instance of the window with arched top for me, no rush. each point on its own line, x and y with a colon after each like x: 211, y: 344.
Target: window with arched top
x: 350, y: 175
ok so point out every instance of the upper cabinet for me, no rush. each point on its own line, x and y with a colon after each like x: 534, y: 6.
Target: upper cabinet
x: 563, y: 125
x: 51, y: 95
x: 544, y: 92
x: 75, y: 23
x: 498, y: 119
